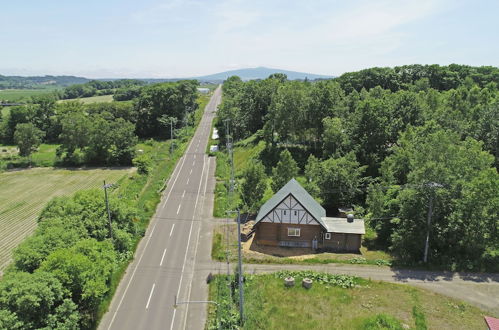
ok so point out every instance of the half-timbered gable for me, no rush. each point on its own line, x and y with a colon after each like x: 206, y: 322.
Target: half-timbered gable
x: 290, y: 211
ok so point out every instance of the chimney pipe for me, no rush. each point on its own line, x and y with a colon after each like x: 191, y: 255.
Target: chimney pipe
x: 350, y: 217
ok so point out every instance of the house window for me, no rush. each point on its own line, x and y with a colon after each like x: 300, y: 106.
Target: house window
x: 284, y: 212
x: 294, y: 232
x: 327, y: 236
x: 296, y: 213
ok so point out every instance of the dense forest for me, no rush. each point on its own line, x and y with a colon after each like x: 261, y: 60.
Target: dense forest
x: 395, y: 143
x: 100, y: 133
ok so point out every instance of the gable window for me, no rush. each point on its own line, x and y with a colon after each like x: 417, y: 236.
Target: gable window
x: 295, y: 232
x: 296, y: 213
x: 284, y: 212
x: 327, y: 236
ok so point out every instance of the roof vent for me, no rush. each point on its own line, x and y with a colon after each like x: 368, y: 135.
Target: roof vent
x: 350, y: 217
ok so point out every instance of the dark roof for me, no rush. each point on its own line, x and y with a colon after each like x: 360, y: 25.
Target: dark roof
x: 300, y: 194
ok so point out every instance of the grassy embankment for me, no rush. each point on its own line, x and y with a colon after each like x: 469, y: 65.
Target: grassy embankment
x: 244, y: 152
x: 337, y: 302
x: 144, y: 191
x: 23, y: 195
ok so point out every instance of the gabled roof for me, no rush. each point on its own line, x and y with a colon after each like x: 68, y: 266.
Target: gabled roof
x: 300, y: 194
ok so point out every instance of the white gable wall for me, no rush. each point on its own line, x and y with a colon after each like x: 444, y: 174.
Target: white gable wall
x: 290, y: 211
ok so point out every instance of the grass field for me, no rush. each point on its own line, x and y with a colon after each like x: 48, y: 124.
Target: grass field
x: 92, y: 99
x: 45, y: 156
x: 24, y: 193
x: 17, y: 95
x: 270, y: 305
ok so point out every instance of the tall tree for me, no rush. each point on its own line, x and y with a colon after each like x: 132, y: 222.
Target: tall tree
x: 285, y: 170
x: 28, y: 138
x: 253, y: 186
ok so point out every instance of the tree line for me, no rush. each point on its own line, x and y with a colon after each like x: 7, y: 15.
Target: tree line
x: 98, y: 87
x: 389, y: 152
x: 100, y: 133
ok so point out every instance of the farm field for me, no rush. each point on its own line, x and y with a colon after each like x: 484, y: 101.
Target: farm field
x: 24, y: 193
x: 92, y: 99
x: 16, y: 95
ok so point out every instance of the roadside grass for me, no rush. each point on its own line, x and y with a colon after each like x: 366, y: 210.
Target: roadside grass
x: 20, y: 95
x: 24, y: 193
x: 244, y: 152
x: 283, y: 255
x: 92, y: 99
x: 368, y: 305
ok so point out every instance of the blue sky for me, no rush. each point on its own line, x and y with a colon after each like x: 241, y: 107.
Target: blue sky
x: 180, y: 38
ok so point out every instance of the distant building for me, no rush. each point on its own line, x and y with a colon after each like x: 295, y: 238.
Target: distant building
x: 203, y: 90
x: 294, y: 218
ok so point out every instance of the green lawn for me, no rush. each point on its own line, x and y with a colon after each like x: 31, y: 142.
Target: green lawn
x: 270, y: 305
x: 45, y: 156
x: 18, y: 95
x: 24, y: 193
x: 92, y: 99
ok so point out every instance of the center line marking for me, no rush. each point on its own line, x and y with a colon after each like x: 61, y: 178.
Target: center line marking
x: 171, y: 231
x: 183, y: 194
x: 190, y: 171
x: 164, y: 252
x: 194, y: 156
x: 150, y: 295
x: 179, y: 205
x: 188, y: 180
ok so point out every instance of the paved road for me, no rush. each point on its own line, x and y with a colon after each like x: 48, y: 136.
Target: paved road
x: 164, y: 263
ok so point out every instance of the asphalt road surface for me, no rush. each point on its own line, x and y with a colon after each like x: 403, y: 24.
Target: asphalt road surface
x: 165, y: 260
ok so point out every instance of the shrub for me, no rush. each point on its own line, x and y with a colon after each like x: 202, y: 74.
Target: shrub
x: 143, y: 163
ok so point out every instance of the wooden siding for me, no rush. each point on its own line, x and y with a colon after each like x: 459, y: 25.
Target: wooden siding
x: 273, y: 233
x: 290, y: 211
x: 343, y: 242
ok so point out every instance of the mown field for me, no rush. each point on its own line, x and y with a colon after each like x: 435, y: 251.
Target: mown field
x: 92, y: 99
x: 338, y: 302
x: 17, y: 95
x: 24, y: 193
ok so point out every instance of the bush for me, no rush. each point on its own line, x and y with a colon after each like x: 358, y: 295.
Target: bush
x: 381, y: 321
x: 143, y: 163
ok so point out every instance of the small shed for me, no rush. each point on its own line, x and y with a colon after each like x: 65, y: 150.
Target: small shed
x: 492, y: 323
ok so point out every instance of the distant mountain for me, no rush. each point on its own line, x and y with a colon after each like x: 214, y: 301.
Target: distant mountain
x: 7, y: 82
x: 260, y: 73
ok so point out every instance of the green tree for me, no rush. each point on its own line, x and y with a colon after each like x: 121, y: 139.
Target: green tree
x: 285, y: 170
x: 253, y: 185
x: 32, y: 297
x: 338, y: 179
x: 28, y: 138
x: 335, y: 139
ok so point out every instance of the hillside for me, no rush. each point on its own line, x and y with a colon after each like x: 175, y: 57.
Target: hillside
x: 35, y: 82
x: 260, y: 73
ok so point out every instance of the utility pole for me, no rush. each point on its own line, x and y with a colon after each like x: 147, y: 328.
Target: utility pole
x: 432, y: 185
x: 239, y: 266
x: 107, y: 207
x: 171, y: 135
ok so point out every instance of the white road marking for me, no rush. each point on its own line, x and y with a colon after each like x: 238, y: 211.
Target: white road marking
x: 188, y: 242
x: 171, y: 231
x: 197, y: 243
x: 194, y: 156
x: 152, y: 231
x: 163, y: 257
x: 190, y: 171
x: 183, y: 194
x: 178, y: 210
x: 150, y: 295
x: 193, y: 162
x: 188, y: 180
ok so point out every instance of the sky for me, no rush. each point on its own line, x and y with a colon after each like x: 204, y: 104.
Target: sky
x: 186, y: 38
